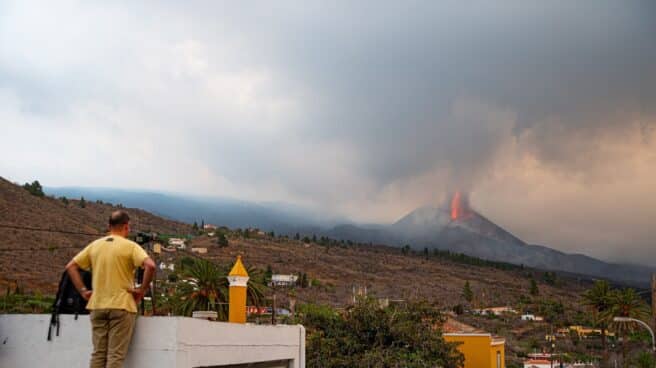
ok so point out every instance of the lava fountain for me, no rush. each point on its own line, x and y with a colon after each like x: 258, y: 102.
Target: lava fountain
x: 459, y: 207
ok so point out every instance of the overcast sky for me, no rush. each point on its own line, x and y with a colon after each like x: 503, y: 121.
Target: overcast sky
x: 544, y: 111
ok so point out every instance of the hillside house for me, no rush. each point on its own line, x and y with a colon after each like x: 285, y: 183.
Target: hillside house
x: 532, y: 317
x: 547, y: 363
x: 283, y: 280
x: 164, y: 266
x: 199, y: 250
x: 584, y: 332
x: 497, y: 311
x: 209, y: 227
x: 178, y: 243
x: 481, y: 349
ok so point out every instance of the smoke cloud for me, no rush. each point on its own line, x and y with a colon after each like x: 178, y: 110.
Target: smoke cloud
x: 543, y: 112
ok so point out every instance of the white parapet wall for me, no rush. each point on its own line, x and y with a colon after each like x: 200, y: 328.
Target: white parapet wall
x: 162, y: 342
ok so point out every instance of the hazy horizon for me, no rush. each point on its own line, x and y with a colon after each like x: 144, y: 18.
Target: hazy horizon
x: 544, y: 112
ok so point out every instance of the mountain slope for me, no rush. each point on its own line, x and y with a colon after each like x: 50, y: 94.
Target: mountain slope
x: 35, y: 259
x: 334, y: 270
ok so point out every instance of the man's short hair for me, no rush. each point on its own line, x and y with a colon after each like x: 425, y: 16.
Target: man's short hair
x: 118, y: 218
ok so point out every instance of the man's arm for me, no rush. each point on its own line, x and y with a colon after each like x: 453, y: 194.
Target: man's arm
x: 149, y: 271
x: 73, y: 271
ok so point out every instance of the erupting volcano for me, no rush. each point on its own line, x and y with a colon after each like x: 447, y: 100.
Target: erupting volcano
x: 460, y: 207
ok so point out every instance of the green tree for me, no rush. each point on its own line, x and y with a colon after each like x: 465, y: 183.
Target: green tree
x: 533, y: 289
x: 645, y: 360
x: 626, y: 303
x: 195, y: 226
x: 297, y: 236
x: 64, y: 200
x: 268, y: 274
x: 406, y: 249
x: 83, y: 203
x: 467, y: 292
x: 598, y: 300
x: 186, y: 262
x: 314, y: 238
x: 34, y: 188
x: 221, y: 240
x: 425, y: 253
x: 366, y: 335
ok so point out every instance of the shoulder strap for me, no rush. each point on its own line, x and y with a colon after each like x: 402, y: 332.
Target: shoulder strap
x: 54, y: 317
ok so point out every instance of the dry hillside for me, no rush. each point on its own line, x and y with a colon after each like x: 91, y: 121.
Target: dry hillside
x: 35, y: 259
x: 384, y: 271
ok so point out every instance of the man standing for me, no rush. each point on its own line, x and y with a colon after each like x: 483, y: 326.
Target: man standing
x: 113, y: 300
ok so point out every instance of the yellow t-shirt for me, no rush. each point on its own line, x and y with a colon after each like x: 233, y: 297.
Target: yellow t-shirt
x: 113, y: 260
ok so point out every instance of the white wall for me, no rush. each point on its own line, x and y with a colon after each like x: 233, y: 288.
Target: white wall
x: 162, y: 342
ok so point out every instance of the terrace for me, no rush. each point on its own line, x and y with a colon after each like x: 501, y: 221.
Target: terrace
x: 163, y: 342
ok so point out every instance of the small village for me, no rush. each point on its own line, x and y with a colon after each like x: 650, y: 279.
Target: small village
x: 506, y: 336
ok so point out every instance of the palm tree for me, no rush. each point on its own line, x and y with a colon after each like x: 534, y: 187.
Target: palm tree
x: 599, y: 302
x: 626, y: 303
x: 257, y: 286
x: 205, y: 287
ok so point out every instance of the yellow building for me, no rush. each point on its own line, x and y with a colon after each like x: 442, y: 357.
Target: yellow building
x: 481, y: 349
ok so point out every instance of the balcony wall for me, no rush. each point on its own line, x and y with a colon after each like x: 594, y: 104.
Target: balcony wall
x: 162, y: 342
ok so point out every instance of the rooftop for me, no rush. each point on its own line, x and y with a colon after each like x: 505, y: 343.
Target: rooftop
x: 162, y: 342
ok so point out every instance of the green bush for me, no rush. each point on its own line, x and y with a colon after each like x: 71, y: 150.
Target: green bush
x: 366, y: 335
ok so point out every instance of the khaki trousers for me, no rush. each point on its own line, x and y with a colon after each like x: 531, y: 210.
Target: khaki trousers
x: 111, y: 331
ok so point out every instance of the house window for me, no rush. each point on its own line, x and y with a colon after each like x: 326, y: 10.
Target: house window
x: 499, y: 360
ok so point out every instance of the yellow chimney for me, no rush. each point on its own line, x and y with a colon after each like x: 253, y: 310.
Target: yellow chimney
x: 238, y: 279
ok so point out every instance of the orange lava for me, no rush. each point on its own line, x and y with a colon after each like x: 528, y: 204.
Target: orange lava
x: 456, y: 207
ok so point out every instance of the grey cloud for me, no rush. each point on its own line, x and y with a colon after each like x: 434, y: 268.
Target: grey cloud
x: 339, y: 104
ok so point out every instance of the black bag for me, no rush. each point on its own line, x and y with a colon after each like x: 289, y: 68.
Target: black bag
x: 68, y: 300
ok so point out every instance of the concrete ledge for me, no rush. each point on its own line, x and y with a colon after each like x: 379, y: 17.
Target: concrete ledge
x: 163, y: 342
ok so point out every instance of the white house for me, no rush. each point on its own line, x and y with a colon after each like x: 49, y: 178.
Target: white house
x: 532, y: 317
x: 283, y: 280
x: 497, y: 311
x: 199, y: 250
x: 540, y: 363
x: 177, y: 242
